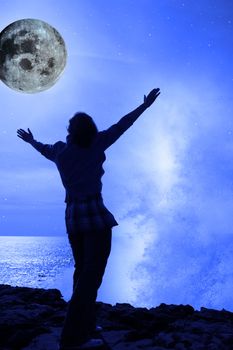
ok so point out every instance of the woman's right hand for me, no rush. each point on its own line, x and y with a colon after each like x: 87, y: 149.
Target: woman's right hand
x: 24, y: 135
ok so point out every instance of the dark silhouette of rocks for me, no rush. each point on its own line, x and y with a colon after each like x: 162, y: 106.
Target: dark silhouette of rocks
x: 31, y: 319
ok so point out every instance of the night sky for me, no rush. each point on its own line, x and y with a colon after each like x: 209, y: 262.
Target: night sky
x: 169, y: 179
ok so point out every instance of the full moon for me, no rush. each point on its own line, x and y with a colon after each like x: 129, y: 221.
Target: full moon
x: 32, y: 55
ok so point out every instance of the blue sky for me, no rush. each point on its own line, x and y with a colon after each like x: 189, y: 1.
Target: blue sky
x: 168, y: 180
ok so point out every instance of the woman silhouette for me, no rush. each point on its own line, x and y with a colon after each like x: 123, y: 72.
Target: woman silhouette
x: 89, y: 224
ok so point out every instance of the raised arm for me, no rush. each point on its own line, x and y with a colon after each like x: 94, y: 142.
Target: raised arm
x: 110, y: 135
x: 49, y: 151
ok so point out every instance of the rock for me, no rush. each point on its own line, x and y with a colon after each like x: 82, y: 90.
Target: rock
x: 46, y: 340
x: 27, y: 313
x: 31, y: 319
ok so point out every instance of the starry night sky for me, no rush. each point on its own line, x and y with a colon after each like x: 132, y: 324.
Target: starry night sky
x: 169, y: 179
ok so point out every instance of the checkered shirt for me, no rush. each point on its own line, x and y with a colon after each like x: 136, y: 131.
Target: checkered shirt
x: 88, y: 214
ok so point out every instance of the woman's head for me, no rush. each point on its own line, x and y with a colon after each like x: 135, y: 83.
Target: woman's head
x: 82, y: 129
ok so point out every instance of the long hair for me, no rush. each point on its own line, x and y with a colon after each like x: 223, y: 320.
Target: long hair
x: 82, y: 129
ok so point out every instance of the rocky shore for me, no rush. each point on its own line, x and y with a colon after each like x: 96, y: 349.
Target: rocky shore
x: 31, y: 319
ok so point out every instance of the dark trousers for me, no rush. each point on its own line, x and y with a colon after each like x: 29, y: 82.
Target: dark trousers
x: 91, y: 251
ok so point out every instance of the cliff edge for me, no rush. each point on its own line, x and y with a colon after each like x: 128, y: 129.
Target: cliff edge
x: 31, y: 319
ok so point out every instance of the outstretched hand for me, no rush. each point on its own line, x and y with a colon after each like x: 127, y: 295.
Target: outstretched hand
x: 151, y: 97
x: 24, y: 135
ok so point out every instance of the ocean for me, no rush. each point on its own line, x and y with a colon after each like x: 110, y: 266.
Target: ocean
x: 47, y: 262
x: 38, y: 262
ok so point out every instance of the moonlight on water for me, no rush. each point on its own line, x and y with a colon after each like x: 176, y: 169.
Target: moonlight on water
x: 32, y: 55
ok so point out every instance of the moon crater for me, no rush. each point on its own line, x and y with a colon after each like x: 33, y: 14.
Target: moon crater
x: 26, y: 64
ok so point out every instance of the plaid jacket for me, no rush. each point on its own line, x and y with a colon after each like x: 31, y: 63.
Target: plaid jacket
x: 88, y: 214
